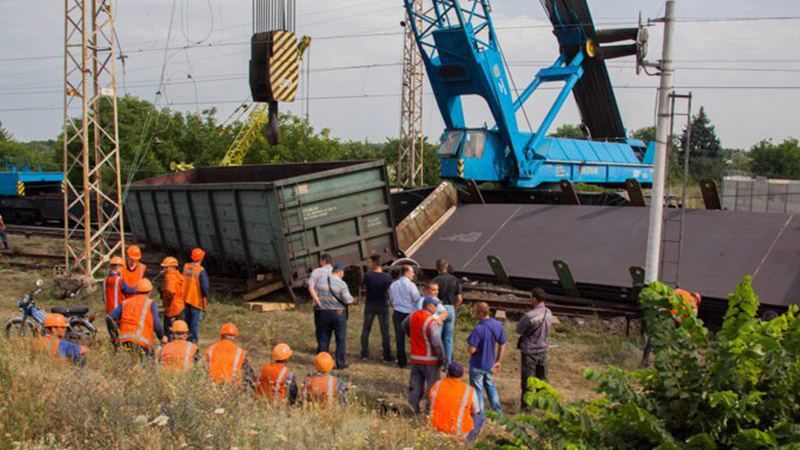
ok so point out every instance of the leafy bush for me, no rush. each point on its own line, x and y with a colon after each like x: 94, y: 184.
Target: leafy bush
x: 737, y: 389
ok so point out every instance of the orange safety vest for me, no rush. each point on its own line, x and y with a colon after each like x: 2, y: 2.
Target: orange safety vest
x: 451, y: 407
x: 225, y: 361
x: 136, y: 322
x: 47, y: 344
x: 419, y: 328
x: 273, y: 381
x: 178, y: 356
x: 172, y: 293
x: 112, y: 291
x: 320, y: 388
x: 690, y: 302
x: 192, y: 294
x: 132, y: 276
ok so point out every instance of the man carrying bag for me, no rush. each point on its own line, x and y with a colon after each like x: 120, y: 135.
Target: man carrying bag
x: 334, y: 298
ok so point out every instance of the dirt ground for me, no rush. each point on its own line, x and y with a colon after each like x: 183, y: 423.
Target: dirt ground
x: 575, y: 347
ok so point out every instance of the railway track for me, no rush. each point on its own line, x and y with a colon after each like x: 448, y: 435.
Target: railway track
x: 514, y: 302
x: 30, y: 230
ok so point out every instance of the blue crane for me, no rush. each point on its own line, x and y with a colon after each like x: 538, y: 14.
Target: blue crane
x: 463, y: 57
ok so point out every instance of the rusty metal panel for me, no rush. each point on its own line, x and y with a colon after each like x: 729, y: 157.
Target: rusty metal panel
x: 602, y: 243
x: 426, y: 216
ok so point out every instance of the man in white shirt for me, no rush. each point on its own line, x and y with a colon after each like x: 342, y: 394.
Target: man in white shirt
x: 320, y: 273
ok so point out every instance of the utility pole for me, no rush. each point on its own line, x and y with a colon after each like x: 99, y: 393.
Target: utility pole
x: 93, y: 220
x: 410, y: 157
x: 653, y: 255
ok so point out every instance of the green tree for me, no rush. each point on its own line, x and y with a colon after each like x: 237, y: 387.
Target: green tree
x: 704, y: 141
x: 776, y: 161
x: 5, y: 136
x: 645, y: 134
x: 34, y: 153
x: 705, y: 150
x: 569, y: 131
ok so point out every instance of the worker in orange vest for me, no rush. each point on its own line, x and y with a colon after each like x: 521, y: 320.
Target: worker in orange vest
x: 454, y: 406
x: 227, y: 362
x: 134, y: 270
x: 691, y: 303
x: 427, y: 351
x: 136, y: 321
x: 321, y: 387
x: 179, y: 355
x: 195, y: 292
x: 171, y: 293
x: 277, y: 381
x: 115, y: 289
x: 53, y: 342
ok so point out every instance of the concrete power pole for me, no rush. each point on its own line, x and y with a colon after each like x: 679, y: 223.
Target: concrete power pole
x: 93, y: 220
x: 410, y: 157
x: 653, y: 255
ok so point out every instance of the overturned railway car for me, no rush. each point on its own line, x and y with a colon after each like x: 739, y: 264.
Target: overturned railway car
x: 276, y: 218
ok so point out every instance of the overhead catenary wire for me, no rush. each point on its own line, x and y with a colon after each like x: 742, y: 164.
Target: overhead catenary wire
x: 385, y: 95
x: 400, y: 33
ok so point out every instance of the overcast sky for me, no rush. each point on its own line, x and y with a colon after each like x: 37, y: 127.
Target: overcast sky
x: 712, y: 56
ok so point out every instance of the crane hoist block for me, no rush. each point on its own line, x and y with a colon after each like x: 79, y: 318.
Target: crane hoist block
x: 274, y: 66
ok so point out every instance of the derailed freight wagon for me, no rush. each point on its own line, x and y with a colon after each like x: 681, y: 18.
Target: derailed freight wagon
x: 267, y: 218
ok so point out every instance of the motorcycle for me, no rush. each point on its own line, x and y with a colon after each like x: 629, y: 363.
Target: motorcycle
x: 31, y: 323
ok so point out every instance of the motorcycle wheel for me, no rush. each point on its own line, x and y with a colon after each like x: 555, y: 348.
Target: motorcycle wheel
x: 15, y: 329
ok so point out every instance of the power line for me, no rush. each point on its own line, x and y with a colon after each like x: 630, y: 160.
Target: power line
x: 400, y: 33
x: 387, y: 95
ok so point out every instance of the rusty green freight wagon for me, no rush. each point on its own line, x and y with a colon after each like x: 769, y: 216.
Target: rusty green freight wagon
x: 267, y: 218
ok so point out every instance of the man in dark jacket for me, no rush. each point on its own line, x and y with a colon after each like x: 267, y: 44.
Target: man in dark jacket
x: 534, y: 331
x: 377, y: 283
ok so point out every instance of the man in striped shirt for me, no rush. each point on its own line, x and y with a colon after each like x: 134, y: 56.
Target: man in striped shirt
x: 334, y: 297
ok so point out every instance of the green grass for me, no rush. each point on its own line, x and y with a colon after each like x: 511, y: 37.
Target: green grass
x: 97, y: 407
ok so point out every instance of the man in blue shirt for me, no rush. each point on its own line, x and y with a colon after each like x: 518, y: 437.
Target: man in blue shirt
x: 405, y: 297
x: 377, y: 283
x: 53, y: 342
x: 487, y: 334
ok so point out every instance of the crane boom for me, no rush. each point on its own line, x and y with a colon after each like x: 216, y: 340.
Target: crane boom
x: 463, y: 57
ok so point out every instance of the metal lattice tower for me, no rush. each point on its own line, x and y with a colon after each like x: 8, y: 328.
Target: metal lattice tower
x: 93, y: 221
x: 410, y: 156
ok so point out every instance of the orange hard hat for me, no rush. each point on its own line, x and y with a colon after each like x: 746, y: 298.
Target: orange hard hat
x: 179, y: 326
x: 134, y: 252
x: 143, y: 286
x: 229, y: 329
x: 116, y: 261
x: 55, y: 321
x: 169, y: 261
x: 281, y: 352
x: 688, y: 296
x: 198, y: 254
x: 323, y: 362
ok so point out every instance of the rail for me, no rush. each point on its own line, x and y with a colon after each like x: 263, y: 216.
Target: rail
x: 55, y: 232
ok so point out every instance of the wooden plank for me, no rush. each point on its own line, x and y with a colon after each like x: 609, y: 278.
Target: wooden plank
x: 259, y: 281
x: 268, y: 306
x: 262, y: 291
